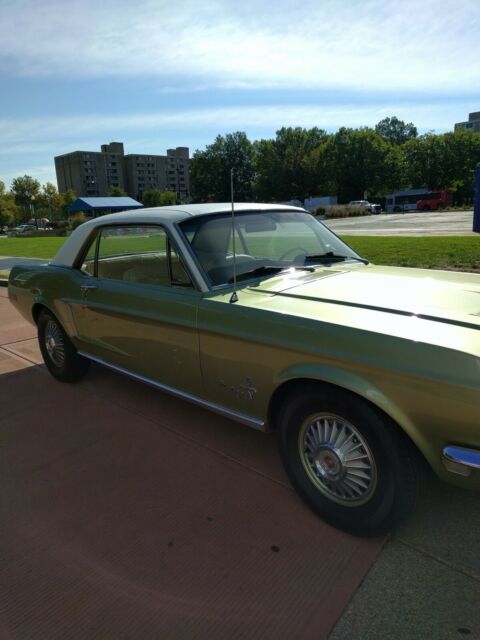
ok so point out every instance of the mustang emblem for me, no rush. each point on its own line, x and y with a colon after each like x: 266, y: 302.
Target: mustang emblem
x: 244, y: 391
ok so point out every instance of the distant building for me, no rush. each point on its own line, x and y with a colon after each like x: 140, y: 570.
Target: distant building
x: 94, y: 173
x: 472, y: 124
x: 99, y: 206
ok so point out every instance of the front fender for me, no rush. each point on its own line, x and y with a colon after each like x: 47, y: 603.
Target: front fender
x: 360, y: 385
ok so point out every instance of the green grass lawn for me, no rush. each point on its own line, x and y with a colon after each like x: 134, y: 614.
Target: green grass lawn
x: 30, y: 247
x: 462, y: 253
x: 452, y: 252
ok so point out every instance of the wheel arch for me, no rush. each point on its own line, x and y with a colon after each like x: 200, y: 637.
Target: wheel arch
x: 375, y: 399
x: 59, y: 310
x: 37, y: 309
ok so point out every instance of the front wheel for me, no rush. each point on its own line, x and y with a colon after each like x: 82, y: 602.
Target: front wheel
x: 59, y: 354
x: 347, y: 461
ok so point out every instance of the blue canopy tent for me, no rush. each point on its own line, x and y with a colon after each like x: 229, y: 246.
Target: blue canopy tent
x: 100, y: 206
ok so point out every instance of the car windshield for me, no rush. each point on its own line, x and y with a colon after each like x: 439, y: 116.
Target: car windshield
x: 266, y: 242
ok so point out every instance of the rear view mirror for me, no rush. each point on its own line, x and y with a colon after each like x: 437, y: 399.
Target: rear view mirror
x: 262, y: 224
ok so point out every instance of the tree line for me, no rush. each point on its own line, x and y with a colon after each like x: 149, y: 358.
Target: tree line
x: 300, y: 163
x: 28, y: 199
x: 294, y: 165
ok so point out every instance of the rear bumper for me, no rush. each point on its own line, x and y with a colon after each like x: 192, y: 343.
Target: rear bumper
x: 461, y: 460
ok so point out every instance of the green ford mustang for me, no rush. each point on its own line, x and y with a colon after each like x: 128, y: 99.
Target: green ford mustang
x: 268, y: 318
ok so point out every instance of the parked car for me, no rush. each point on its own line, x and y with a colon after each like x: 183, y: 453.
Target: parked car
x: 24, y: 228
x: 270, y: 319
x: 373, y: 208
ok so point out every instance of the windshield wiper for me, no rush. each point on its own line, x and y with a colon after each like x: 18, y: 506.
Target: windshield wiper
x: 325, y: 258
x: 265, y: 270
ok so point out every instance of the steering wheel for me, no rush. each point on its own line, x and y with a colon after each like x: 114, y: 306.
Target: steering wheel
x: 301, y: 251
x: 242, y: 257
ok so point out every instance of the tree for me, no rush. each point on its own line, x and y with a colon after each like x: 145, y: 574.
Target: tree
x: 168, y: 197
x: 9, y: 211
x: 116, y: 192
x: 152, y: 198
x: 26, y: 191
x: 210, y: 169
x: 424, y: 161
x: 49, y: 201
x: 396, y: 131
x: 282, y: 165
x: 354, y: 161
x: 445, y: 161
x: 68, y: 197
x: 158, y: 198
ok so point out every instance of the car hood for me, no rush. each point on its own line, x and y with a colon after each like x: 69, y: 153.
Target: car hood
x: 440, y: 295
x: 419, y: 304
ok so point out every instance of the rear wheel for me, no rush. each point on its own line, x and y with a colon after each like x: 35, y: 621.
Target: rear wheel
x: 59, y: 354
x: 347, y: 461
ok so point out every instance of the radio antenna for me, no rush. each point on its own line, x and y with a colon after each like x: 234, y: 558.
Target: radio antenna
x: 234, y: 297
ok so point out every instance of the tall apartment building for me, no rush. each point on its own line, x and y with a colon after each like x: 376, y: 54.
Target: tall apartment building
x: 94, y: 173
x: 472, y: 124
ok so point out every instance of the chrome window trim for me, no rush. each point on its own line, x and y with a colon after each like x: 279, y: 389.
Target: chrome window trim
x: 196, y: 285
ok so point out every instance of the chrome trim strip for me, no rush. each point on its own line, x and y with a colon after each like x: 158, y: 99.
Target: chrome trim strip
x: 461, y: 455
x: 228, y: 413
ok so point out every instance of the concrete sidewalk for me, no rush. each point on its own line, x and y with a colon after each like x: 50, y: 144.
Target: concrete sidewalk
x: 6, y: 263
x: 129, y: 514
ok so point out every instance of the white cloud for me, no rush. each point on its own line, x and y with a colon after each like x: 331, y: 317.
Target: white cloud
x: 389, y: 45
x: 43, y: 134
x: 28, y: 144
x: 42, y: 173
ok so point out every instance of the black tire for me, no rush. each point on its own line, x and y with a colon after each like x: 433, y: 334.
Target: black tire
x: 59, y: 354
x: 390, y: 485
x: 425, y: 207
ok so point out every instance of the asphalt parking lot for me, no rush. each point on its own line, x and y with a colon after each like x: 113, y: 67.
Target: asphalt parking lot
x: 414, y: 223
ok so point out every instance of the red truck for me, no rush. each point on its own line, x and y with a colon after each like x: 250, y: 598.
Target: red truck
x: 434, y: 200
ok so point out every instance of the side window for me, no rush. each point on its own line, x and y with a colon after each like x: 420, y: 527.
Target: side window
x: 139, y: 254
x: 88, y: 264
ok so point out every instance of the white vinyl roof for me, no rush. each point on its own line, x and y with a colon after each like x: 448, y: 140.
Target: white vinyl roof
x: 166, y: 216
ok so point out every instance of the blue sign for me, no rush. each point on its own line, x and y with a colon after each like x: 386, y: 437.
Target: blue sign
x: 476, y: 202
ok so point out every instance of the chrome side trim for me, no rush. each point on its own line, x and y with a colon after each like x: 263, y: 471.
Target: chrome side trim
x: 228, y: 413
x: 460, y: 459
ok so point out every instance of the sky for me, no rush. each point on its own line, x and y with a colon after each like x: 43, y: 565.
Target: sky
x: 156, y: 74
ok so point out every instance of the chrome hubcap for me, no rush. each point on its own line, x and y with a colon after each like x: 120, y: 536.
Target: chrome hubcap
x: 54, y: 343
x: 337, y: 459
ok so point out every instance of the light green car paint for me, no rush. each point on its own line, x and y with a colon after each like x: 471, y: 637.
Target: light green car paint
x: 406, y: 340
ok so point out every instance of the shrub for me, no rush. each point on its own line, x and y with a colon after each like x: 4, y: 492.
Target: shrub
x: 76, y: 220
x: 345, y: 211
x: 51, y: 233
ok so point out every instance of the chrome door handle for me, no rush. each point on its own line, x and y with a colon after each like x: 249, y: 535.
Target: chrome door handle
x: 85, y: 288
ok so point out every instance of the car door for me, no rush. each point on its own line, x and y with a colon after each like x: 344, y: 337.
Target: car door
x: 137, y: 309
